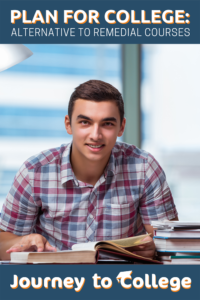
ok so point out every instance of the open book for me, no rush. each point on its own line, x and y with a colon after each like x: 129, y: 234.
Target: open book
x: 87, y: 253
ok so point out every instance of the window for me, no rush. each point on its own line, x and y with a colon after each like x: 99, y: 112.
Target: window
x: 34, y: 99
x: 170, y: 119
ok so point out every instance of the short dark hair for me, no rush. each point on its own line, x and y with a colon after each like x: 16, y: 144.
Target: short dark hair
x: 97, y: 90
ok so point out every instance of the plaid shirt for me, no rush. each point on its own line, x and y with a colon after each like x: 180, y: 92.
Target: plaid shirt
x: 46, y: 198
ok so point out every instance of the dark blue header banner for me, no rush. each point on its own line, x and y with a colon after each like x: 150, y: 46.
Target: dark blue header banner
x: 99, y: 282
x: 79, y: 22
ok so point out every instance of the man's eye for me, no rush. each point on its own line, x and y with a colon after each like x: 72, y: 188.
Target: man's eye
x: 84, y: 122
x: 108, y: 124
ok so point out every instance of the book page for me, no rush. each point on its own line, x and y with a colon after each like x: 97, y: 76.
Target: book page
x: 124, y: 243
x: 24, y: 256
x: 19, y: 256
x: 84, y: 246
x: 131, y: 241
x: 167, y: 223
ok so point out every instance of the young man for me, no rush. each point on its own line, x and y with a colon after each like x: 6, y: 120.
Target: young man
x: 91, y: 189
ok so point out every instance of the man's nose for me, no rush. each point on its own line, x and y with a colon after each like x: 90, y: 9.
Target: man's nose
x: 95, y: 132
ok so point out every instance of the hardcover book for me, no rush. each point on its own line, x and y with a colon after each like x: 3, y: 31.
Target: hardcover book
x: 88, y: 253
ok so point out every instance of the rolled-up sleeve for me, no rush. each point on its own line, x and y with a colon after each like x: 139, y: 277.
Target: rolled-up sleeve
x: 19, y: 212
x: 156, y: 202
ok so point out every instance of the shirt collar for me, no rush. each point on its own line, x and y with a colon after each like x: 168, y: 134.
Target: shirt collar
x: 111, y: 165
x: 67, y: 173
x: 66, y: 168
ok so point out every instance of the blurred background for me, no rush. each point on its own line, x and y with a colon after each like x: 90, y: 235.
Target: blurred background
x: 161, y: 93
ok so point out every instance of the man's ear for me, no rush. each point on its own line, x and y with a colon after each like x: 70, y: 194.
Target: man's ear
x: 68, y: 125
x: 122, y: 127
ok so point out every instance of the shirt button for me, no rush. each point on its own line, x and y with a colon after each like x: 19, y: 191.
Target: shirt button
x: 91, y: 216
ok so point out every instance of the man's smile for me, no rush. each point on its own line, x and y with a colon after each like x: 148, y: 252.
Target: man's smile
x: 95, y: 147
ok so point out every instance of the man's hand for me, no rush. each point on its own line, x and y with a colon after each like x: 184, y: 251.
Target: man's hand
x: 146, y: 250
x: 32, y: 242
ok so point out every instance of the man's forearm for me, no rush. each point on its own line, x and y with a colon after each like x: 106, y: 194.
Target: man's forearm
x: 7, y: 240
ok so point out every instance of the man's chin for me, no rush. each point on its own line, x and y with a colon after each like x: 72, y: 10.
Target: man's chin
x: 95, y: 156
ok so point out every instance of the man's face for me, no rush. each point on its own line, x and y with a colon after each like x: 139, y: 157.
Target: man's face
x: 95, y: 127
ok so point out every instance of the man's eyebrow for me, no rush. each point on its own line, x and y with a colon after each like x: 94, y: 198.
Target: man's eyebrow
x: 110, y: 119
x: 104, y: 120
x: 83, y: 117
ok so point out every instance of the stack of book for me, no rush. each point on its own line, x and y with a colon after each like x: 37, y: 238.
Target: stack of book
x: 177, y: 242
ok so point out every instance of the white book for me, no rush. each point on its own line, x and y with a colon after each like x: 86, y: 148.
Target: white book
x: 177, y: 233
x: 176, y: 244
